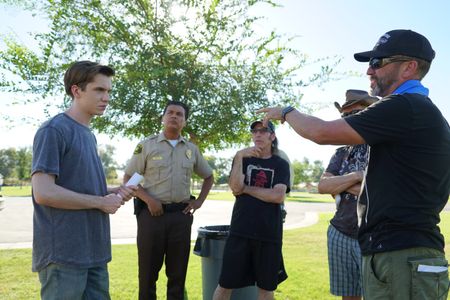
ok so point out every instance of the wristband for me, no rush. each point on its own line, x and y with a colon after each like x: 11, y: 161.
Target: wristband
x: 285, y: 111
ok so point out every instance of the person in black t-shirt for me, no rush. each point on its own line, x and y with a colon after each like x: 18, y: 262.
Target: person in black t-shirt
x: 407, y: 182
x: 259, y: 180
x: 342, y: 179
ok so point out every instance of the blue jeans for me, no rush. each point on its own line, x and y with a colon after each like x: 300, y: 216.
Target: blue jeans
x: 63, y: 282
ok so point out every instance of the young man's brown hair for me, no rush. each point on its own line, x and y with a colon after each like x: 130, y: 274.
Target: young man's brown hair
x: 83, y: 72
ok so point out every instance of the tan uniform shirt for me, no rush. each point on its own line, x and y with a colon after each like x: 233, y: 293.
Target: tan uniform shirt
x: 167, y: 170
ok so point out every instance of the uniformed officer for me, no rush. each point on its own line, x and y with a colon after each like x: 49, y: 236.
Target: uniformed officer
x: 166, y: 161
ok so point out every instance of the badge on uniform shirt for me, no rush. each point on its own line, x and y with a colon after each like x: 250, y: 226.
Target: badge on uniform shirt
x: 189, y: 153
x: 138, y: 149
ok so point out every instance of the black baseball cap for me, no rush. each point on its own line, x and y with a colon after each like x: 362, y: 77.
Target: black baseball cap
x: 399, y: 42
x: 269, y: 125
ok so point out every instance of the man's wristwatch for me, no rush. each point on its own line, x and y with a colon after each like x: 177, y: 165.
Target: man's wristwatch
x: 285, y: 111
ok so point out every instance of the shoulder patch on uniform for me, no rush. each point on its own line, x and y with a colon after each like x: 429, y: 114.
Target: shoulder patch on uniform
x: 138, y: 149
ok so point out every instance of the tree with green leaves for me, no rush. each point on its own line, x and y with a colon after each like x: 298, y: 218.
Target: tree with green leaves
x: 305, y: 172
x: 300, y: 172
x: 222, y: 171
x: 23, y: 163
x: 110, y: 166
x: 15, y: 164
x: 207, y: 54
x: 8, y: 158
x: 221, y: 168
x: 316, y: 171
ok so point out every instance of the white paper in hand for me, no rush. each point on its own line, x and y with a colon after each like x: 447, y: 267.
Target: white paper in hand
x: 135, y: 179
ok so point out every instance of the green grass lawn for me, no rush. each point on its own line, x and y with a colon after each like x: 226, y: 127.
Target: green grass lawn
x: 16, y: 191
x: 25, y: 191
x: 304, y: 252
x: 293, y: 196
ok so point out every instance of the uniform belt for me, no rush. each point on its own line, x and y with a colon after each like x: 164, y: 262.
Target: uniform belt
x: 174, y: 207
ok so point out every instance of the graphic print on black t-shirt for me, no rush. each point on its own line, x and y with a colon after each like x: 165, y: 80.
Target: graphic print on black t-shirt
x: 253, y: 218
x: 259, y: 177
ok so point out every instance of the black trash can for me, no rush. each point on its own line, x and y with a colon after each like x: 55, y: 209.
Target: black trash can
x: 209, y: 246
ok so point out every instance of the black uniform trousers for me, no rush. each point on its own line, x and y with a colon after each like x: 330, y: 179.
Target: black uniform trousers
x: 164, y: 238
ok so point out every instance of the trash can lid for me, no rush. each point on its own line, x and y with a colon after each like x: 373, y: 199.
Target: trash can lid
x: 215, y: 231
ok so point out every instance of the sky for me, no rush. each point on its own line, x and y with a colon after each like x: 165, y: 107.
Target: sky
x: 323, y: 28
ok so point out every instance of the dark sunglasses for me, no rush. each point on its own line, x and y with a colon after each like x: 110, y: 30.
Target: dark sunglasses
x: 378, y: 63
x: 260, y: 130
x: 349, y: 113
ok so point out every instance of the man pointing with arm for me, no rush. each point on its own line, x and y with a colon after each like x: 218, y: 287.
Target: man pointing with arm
x: 408, y: 177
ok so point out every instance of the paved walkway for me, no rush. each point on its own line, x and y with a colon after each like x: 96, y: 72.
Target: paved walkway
x: 16, y: 219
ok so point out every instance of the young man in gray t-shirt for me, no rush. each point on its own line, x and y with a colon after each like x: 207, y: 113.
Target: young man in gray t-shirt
x: 71, y: 233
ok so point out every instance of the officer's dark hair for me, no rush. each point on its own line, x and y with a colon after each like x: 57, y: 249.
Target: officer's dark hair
x: 83, y: 72
x: 179, y: 103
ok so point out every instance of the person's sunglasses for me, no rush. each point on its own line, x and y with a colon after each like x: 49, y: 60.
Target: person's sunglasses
x: 378, y: 63
x: 260, y: 130
x: 349, y: 113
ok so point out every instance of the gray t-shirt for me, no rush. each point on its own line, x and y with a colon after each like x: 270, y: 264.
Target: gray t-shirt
x: 80, y: 238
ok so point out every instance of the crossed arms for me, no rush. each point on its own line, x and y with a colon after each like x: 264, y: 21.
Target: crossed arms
x: 332, y: 184
x: 238, y: 187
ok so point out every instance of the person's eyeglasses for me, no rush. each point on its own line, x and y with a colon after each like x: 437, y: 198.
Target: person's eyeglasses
x: 378, y: 63
x: 349, y: 113
x: 260, y: 130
